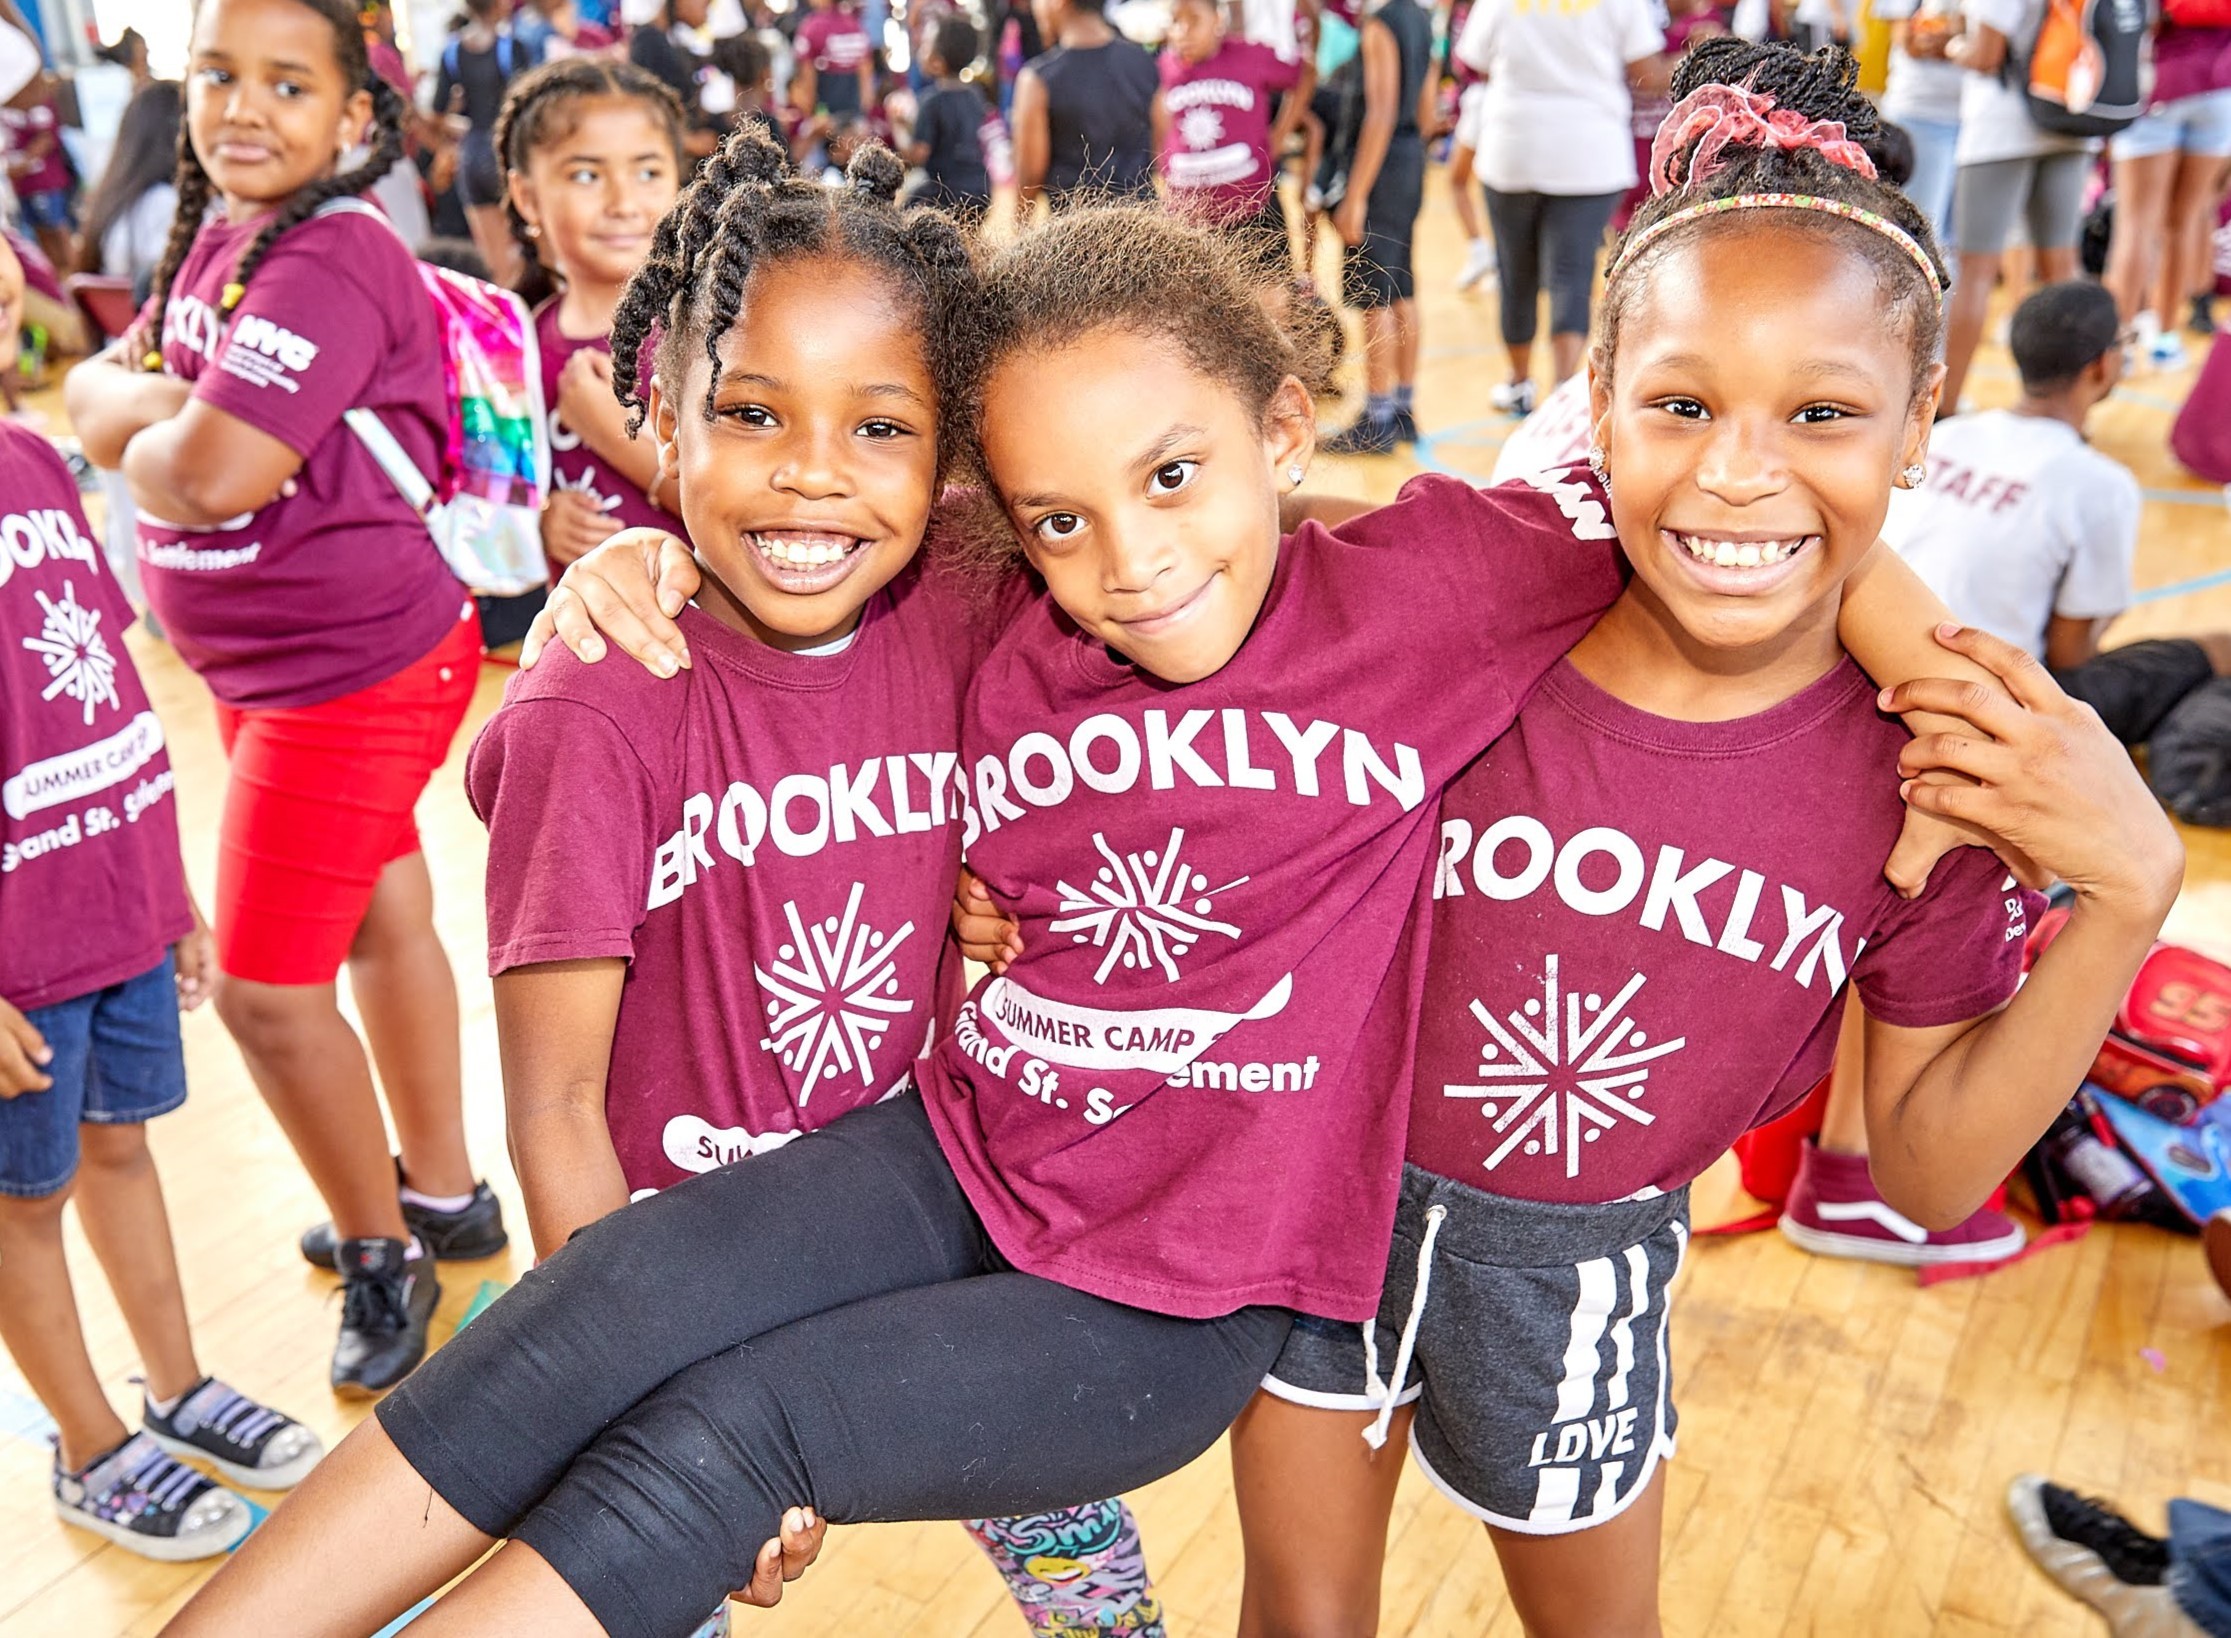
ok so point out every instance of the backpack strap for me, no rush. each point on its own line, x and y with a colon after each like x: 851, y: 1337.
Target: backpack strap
x: 450, y: 58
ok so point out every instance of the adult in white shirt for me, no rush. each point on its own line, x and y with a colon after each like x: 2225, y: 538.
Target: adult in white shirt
x: 1923, y: 96
x: 2029, y: 533
x: 1556, y: 153
x: 2009, y: 168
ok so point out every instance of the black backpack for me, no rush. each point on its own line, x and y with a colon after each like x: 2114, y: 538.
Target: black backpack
x: 2083, y: 68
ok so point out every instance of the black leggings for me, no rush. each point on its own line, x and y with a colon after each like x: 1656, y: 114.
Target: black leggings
x: 826, y: 1325
x: 1547, y: 238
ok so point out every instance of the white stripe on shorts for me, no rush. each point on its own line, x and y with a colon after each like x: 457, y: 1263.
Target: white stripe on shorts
x: 1599, y: 1289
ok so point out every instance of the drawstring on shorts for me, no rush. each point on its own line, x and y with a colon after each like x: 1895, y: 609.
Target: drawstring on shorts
x: 1386, y: 1393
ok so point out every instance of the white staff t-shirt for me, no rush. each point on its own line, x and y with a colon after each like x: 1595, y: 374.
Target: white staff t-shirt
x: 1558, y: 117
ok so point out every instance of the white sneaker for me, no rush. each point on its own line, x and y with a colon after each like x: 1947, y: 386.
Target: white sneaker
x: 2167, y: 351
x: 1513, y: 398
x: 1479, y: 266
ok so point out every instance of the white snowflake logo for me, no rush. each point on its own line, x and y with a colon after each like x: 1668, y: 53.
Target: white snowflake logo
x: 606, y: 504
x: 833, y: 995
x: 75, y: 653
x: 1143, y: 908
x: 1543, y: 1086
x: 1200, y: 128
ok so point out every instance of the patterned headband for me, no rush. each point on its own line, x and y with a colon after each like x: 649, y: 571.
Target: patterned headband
x: 1781, y: 201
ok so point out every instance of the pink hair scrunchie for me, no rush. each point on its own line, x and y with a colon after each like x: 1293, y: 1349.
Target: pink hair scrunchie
x: 1714, y: 116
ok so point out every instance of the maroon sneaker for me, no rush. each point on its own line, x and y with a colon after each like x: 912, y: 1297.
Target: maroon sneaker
x: 1834, y: 1211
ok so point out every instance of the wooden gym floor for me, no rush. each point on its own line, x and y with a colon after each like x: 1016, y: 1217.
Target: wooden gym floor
x: 1846, y: 1436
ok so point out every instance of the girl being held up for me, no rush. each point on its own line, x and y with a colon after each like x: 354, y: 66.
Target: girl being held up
x: 593, y: 155
x: 308, y: 595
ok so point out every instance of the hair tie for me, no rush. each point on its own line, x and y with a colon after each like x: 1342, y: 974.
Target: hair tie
x: 232, y: 296
x: 1714, y: 117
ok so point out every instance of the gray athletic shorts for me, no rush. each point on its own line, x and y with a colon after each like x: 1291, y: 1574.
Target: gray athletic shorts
x: 1539, y: 1370
x: 2046, y: 192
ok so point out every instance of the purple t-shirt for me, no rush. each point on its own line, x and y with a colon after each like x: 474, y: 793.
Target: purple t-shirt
x: 339, y: 586
x: 1189, y: 1093
x: 1642, y: 931
x: 833, y: 41
x: 574, y: 465
x: 91, y: 889
x: 50, y: 173
x: 1217, y: 155
x: 2189, y: 62
x: 770, y: 839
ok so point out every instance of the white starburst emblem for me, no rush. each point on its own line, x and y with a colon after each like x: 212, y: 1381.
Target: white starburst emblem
x: 75, y: 653
x: 1142, y: 908
x: 586, y: 485
x: 832, y: 995
x: 1543, y: 1086
x: 1200, y: 128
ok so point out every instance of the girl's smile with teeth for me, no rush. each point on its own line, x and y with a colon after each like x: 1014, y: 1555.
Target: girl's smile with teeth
x: 803, y: 549
x: 1739, y: 554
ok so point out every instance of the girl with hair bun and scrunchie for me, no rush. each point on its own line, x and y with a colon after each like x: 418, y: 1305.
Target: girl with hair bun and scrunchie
x: 1653, y: 889
x: 307, y: 593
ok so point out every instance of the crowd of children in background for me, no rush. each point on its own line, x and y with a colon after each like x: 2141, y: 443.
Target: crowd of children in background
x: 629, y: 171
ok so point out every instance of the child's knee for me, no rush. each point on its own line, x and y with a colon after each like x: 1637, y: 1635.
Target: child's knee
x: 35, y: 1214
x: 113, y: 1146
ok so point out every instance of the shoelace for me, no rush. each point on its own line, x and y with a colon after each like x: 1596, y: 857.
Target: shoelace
x: 1386, y: 1393
x: 230, y: 1414
x: 2131, y: 1553
x: 140, y: 1477
x: 373, y: 1302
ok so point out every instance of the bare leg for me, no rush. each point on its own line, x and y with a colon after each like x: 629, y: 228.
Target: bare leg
x: 120, y: 1202
x: 311, y: 1070
x: 1314, y: 1500
x: 1964, y: 319
x: 1843, y: 1124
x: 1404, y: 318
x: 514, y: 1595
x: 2058, y: 265
x: 1593, y: 1582
x: 39, y: 1323
x: 1565, y: 352
x: 1378, y: 350
x: 491, y: 233
x: 1521, y: 355
x: 360, y: 1542
x: 1466, y: 195
x: 2190, y: 217
x: 2134, y: 258
x: 407, y: 996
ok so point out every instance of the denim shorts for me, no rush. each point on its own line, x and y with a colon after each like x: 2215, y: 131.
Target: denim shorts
x: 47, y: 210
x: 2190, y: 125
x: 118, y: 1060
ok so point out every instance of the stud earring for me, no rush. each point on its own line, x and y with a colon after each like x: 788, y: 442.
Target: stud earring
x: 1596, y: 463
x: 534, y: 230
x: 1911, y: 477
x: 1294, y: 474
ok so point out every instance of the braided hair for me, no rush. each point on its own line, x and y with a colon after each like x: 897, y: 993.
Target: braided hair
x: 541, y: 108
x: 196, y: 192
x: 1823, y: 86
x: 749, y: 208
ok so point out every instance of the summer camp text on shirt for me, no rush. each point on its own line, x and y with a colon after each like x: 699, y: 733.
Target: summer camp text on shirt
x: 91, y: 888
x: 769, y: 839
x: 1642, y: 931
x: 1188, y: 1092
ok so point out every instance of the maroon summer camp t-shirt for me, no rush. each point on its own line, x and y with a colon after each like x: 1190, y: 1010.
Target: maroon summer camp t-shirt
x: 573, y: 464
x: 1189, y: 1093
x: 1642, y: 931
x: 834, y: 41
x: 91, y: 888
x: 769, y: 839
x: 1217, y: 155
x: 338, y: 586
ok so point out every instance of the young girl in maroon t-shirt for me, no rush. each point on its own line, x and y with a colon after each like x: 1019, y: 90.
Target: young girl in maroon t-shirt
x: 1204, y: 766
x: 311, y: 599
x: 593, y: 157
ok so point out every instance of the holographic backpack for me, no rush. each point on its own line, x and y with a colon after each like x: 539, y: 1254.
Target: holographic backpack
x: 484, y: 508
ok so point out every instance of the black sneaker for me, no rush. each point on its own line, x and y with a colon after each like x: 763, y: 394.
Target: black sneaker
x: 2097, y: 1555
x: 149, y: 1503
x: 1405, y: 426
x: 247, y: 1443
x: 388, y: 1297
x: 1365, y: 435
x: 2202, y: 321
x: 463, y: 1236
x: 2131, y: 1555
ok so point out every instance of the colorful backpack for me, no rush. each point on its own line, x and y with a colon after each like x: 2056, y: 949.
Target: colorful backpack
x: 2084, y: 70
x: 2198, y: 13
x: 484, y: 508
x: 2169, y: 1049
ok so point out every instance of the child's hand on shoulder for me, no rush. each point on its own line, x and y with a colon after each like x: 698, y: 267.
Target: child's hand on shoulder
x: 2047, y: 778
x: 987, y: 934
x: 24, y: 1055
x: 785, y: 1558
x: 630, y: 590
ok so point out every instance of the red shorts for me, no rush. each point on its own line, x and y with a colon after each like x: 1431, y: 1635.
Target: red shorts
x: 320, y: 803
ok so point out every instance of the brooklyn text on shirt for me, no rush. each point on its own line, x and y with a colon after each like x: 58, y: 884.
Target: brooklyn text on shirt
x: 258, y: 351
x: 803, y: 813
x: 1244, y: 750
